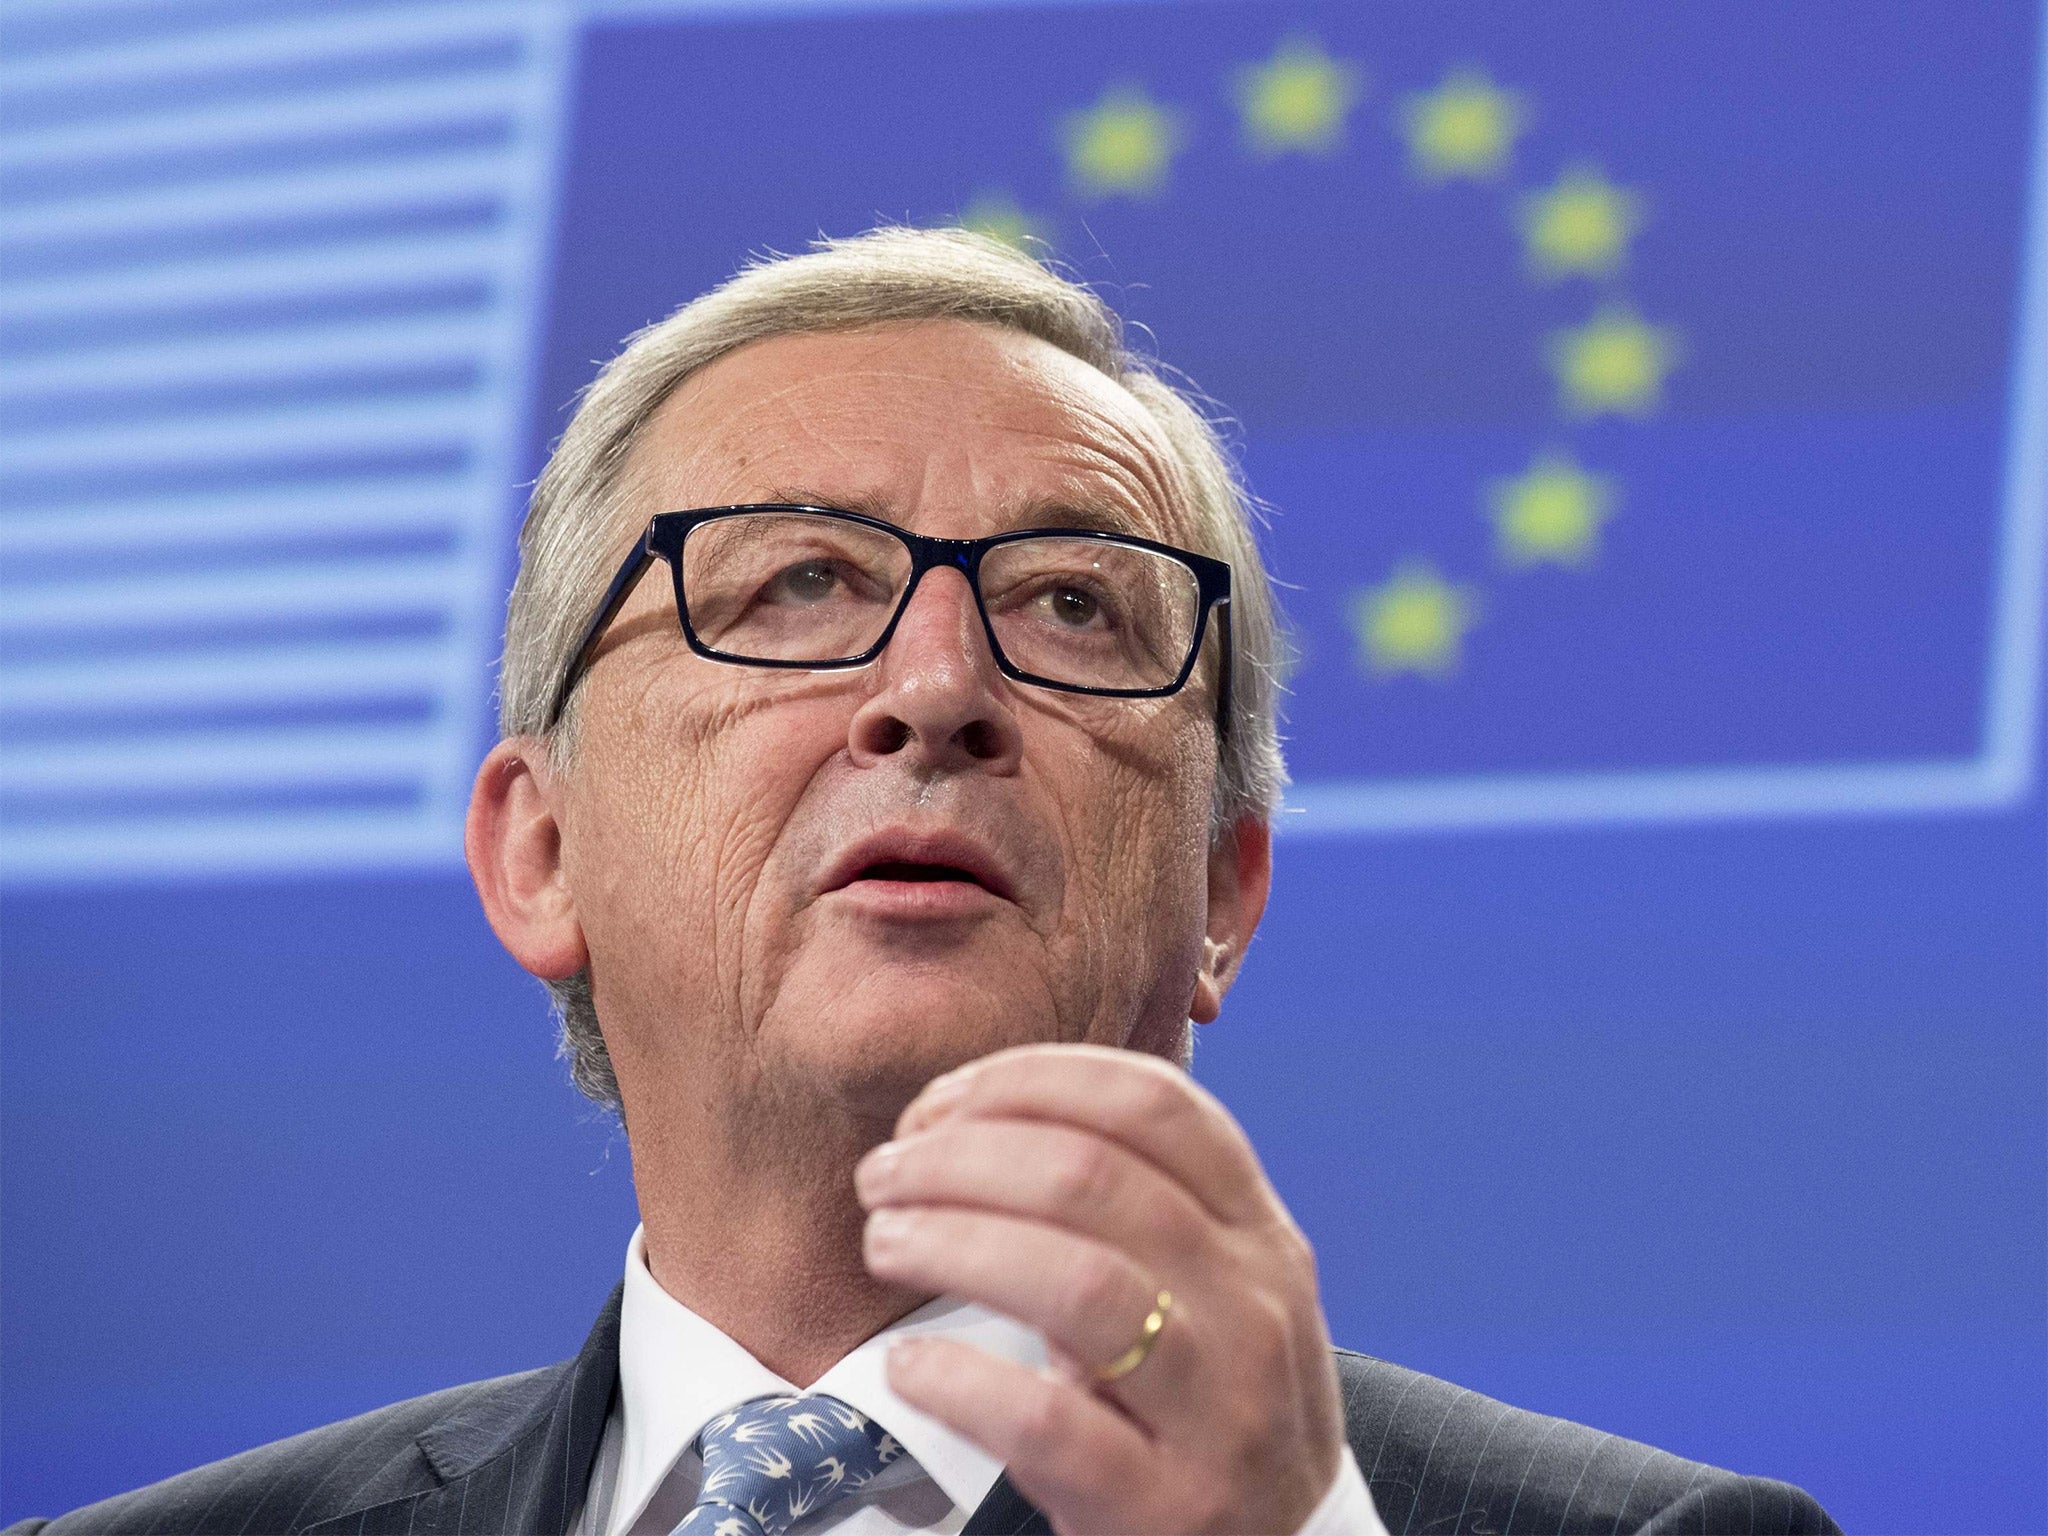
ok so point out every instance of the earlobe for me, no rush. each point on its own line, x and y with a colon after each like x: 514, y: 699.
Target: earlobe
x: 1211, y: 982
x: 1240, y: 876
x: 514, y: 846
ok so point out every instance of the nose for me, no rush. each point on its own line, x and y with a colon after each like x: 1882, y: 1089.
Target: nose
x: 940, y: 702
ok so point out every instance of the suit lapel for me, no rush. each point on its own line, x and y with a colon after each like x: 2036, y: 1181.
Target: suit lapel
x: 525, y: 1469
x: 519, y: 1469
x: 1006, y: 1512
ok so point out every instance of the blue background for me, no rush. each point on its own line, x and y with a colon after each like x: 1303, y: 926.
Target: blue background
x: 1730, y: 1136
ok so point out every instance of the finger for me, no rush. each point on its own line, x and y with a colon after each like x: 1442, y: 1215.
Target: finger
x: 1089, y: 1299
x: 1154, y: 1109
x: 1051, y: 1173
x: 1075, y: 1457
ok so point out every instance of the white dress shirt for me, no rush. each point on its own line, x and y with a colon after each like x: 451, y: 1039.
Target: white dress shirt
x: 678, y: 1372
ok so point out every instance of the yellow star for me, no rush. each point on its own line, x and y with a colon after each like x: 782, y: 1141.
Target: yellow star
x: 1465, y: 127
x: 1614, y: 362
x: 1582, y: 224
x: 1551, y: 511
x: 1123, y: 143
x: 1413, y: 622
x: 997, y: 215
x: 1296, y: 100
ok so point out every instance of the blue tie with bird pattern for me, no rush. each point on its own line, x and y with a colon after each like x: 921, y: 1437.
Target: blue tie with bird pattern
x: 775, y: 1460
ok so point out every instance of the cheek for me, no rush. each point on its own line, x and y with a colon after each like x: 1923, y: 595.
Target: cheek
x: 1134, y: 812
x: 688, y: 791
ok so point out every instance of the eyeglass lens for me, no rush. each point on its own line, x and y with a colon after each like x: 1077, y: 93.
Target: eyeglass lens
x: 788, y: 586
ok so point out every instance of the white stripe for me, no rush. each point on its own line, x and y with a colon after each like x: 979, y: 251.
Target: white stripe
x: 185, y: 847
x: 422, y: 502
x: 647, y: 10
x: 338, y: 430
x: 288, y: 353
x: 274, y: 197
x: 332, y: 110
x: 369, y: 669
x: 253, y: 759
x: 1596, y: 799
x: 216, y: 50
x: 356, y: 588
x: 400, y: 262
x: 2013, y: 685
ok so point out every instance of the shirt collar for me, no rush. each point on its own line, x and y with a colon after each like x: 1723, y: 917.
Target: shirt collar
x: 677, y: 1372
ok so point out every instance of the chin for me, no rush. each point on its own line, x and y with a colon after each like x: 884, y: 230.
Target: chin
x: 895, y: 1029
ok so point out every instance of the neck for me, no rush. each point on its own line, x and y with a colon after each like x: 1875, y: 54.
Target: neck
x: 761, y: 1236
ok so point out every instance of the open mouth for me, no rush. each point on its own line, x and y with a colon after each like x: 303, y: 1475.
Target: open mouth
x: 919, y: 870
x: 899, y: 869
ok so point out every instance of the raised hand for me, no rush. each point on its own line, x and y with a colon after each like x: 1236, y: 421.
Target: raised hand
x: 1067, y: 1186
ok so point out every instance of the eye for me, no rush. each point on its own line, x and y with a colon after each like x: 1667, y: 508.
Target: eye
x: 1072, y: 607
x: 810, y: 582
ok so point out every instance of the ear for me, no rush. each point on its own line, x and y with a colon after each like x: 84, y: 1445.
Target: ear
x: 514, y: 846
x: 1240, y: 876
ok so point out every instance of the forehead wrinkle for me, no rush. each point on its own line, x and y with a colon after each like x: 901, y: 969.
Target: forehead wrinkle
x: 1093, y: 484
x: 1138, y: 501
x: 670, y: 450
x: 1046, y: 398
x: 799, y: 399
x: 1130, y: 453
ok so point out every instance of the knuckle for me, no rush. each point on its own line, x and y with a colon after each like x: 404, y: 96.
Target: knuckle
x: 1041, y: 1422
x: 1182, y: 1227
x: 1268, y: 1334
x: 1247, y: 1459
x: 1295, y: 1249
x: 1099, y: 1287
x: 1247, y: 1429
x: 1081, y: 1177
x: 1205, y: 1106
x: 1160, y: 1094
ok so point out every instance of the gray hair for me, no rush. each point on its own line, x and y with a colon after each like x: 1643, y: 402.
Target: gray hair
x: 569, y: 544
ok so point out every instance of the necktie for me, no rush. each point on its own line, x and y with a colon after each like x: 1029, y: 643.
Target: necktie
x: 773, y: 1461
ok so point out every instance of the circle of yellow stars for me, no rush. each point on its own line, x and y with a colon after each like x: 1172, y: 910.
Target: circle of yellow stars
x: 1577, y: 229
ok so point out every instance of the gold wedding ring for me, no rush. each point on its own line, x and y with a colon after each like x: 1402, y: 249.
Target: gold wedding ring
x: 1132, y: 1358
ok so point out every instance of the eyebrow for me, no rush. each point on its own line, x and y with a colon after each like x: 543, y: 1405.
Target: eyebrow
x: 1061, y: 514
x: 1047, y: 512
x: 805, y: 496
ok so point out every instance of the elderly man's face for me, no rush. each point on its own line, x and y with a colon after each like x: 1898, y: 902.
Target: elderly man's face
x: 769, y: 868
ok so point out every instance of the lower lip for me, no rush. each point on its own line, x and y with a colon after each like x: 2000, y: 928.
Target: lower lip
x: 929, y: 899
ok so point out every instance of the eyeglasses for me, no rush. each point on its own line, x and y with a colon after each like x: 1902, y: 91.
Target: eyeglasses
x: 812, y: 588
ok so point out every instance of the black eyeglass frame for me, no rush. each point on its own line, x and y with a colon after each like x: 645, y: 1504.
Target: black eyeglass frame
x: 664, y: 540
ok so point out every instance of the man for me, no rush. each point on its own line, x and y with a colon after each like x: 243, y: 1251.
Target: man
x: 887, y: 769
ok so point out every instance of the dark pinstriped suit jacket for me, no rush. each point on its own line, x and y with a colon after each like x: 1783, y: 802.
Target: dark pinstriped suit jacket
x: 515, y: 1454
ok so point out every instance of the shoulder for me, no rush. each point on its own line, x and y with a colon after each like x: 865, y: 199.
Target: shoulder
x: 1442, y: 1459
x: 334, y: 1470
